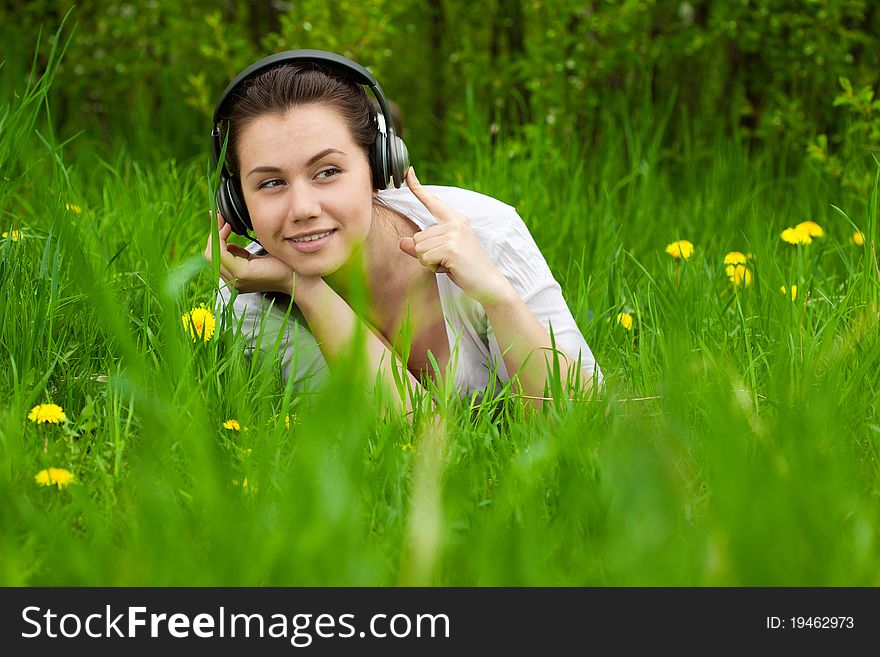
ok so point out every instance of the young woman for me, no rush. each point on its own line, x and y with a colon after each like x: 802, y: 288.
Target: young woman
x: 456, y: 270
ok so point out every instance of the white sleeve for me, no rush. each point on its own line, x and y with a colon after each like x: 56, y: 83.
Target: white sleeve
x: 518, y: 257
x: 265, y: 328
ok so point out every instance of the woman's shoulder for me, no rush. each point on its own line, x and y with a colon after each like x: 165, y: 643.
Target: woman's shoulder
x: 468, y: 198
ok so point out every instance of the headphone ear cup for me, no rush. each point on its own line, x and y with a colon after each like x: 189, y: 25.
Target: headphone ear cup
x: 399, y: 161
x: 389, y: 160
x: 379, y: 162
x: 232, y: 208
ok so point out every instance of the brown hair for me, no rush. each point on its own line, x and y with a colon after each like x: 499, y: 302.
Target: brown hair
x: 282, y: 87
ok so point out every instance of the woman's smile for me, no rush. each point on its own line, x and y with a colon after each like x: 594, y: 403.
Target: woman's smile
x: 311, y: 241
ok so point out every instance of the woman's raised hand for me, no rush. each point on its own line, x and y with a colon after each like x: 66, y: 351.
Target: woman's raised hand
x: 451, y: 247
x: 247, y: 272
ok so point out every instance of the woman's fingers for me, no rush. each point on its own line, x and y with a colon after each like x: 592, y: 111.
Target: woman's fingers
x: 224, y: 230
x: 434, y: 259
x: 437, y: 230
x: 425, y: 245
x: 240, y: 251
x: 429, y: 258
x: 408, y: 246
x: 435, y: 206
x: 232, y: 256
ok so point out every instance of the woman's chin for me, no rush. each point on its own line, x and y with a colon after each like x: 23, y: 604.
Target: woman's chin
x: 315, y: 267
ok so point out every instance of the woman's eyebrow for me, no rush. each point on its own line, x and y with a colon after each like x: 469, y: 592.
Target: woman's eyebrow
x: 312, y: 160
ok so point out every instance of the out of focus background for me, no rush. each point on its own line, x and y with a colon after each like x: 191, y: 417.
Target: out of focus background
x: 702, y: 178
x: 794, y: 76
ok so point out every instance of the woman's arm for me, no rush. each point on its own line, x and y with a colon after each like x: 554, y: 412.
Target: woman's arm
x: 335, y: 325
x: 525, y: 344
x: 451, y: 247
x: 331, y: 320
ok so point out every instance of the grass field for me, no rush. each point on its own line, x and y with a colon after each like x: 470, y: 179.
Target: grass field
x: 736, y: 441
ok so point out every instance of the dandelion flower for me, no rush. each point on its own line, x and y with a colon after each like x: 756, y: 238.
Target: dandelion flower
x: 793, y: 291
x: 796, y: 235
x: 232, y: 425
x: 858, y: 238
x: 200, y: 322
x: 811, y: 228
x: 54, y: 477
x: 47, y: 413
x: 680, y: 249
x: 72, y: 207
x: 625, y: 320
x: 244, y: 486
x: 12, y: 235
x: 734, y: 258
x: 739, y: 275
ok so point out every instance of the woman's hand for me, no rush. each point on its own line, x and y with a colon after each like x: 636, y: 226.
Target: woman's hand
x: 451, y: 247
x: 247, y: 272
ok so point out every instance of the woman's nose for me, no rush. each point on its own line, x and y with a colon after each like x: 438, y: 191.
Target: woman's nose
x: 304, y: 202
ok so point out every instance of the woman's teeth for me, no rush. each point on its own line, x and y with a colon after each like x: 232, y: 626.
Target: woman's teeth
x: 311, y: 238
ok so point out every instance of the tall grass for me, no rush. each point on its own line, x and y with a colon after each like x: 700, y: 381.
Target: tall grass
x: 736, y: 442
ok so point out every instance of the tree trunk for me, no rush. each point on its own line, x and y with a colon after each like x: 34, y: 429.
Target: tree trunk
x: 263, y: 19
x: 437, y: 69
x: 517, y: 53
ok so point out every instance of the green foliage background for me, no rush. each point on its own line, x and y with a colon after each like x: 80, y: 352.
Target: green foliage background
x: 781, y: 73
x: 736, y: 442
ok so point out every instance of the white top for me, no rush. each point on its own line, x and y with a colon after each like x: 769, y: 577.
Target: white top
x: 473, y: 349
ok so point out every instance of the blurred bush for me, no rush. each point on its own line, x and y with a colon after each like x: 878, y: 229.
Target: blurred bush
x: 147, y: 74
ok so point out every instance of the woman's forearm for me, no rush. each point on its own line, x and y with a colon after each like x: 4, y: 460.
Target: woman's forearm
x: 334, y: 325
x: 525, y: 344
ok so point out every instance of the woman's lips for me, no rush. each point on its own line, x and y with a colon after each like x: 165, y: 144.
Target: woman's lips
x: 312, y: 245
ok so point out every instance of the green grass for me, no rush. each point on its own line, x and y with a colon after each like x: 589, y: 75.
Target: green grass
x: 735, y: 443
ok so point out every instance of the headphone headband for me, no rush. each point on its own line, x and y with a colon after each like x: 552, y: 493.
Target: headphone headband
x: 389, y: 158
x: 337, y: 64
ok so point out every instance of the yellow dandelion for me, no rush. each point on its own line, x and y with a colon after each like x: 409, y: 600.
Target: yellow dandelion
x: 47, y: 413
x: 734, y: 258
x: 739, y: 275
x: 232, y: 425
x: 244, y: 486
x: 407, y: 447
x: 858, y: 238
x: 625, y: 320
x: 200, y: 322
x: 14, y: 235
x: 54, y: 477
x: 796, y: 236
x: 680, y: 249
x: 811, y: 228
x: 793, y: 291
x: 72, y: 207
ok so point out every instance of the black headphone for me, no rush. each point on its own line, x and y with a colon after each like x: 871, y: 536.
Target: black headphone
x: 389, y: 158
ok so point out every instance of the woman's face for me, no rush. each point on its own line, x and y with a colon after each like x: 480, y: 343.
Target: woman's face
x: 307, y: 186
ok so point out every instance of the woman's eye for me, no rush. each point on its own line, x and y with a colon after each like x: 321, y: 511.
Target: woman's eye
x: 268, y: 183
x: 332, y: 170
